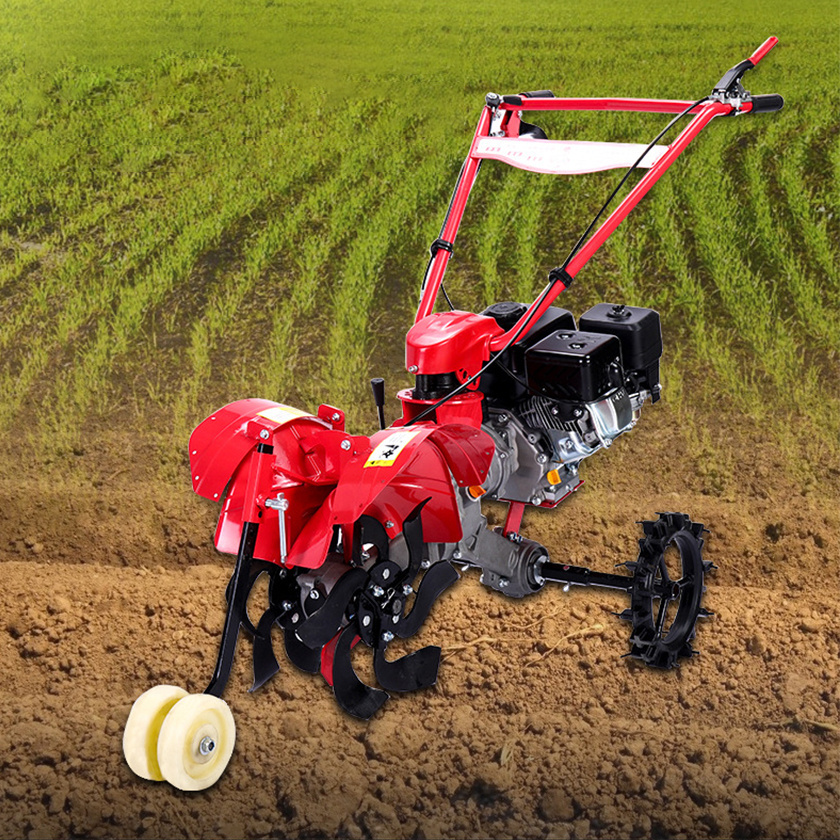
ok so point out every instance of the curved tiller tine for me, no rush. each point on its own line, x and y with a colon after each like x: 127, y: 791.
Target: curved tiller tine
x: 352, y: 694
x: 320, y: 627
x: 435, y: 582
x: 368, y: 529
x: 408, y: 673
x: 300, y: 655
x: 265, y: 662
x: 413, y: 532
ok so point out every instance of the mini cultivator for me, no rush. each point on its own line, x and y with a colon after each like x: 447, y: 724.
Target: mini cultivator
x: 358, y: 535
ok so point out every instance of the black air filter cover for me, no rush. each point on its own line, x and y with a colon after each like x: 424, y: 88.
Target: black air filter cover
x: 574, y: 366
x: 553, y: 320
x: 500, y: 388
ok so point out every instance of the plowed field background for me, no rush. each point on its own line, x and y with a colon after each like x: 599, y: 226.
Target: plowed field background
x: 202, y: 205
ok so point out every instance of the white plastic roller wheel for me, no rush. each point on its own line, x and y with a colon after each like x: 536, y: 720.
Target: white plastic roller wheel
x: 196, y: 742
x: 140, y: 737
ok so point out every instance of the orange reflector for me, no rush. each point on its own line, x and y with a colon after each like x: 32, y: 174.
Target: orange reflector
x: 476, y: 491
x: 553, y: 477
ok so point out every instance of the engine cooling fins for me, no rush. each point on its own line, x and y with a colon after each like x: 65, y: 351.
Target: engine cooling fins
x: 368, y: 604
x: 664, y: 611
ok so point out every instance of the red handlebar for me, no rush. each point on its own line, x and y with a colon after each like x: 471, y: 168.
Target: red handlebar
x: 763, y: 49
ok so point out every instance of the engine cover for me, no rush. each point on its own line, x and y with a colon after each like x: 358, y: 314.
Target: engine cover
x: 574, y: 366
x: 450, y: 342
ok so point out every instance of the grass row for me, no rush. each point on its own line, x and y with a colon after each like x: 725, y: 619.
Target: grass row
x: 192, y: 231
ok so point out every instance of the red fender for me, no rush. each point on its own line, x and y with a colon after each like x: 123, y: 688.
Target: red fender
x: 468, y: 452
x: 307, y: 537
x: 408, y: 465
x: 328, y: 477
x: 220, y: 443
x: 308, y: 454
x: 313, y: 542
x: 366, y: 475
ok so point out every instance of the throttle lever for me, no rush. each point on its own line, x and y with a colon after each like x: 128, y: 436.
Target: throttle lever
x: 730, y: 82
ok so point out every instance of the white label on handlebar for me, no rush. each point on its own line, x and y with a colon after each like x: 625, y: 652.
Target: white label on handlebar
x: 565, y: 157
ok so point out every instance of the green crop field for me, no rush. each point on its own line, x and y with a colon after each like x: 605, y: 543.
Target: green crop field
x: 200, y: 202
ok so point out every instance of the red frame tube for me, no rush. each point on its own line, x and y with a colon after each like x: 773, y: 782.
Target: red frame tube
x: 702, y: 114
x: 764, y: 49
x: 642, y: 106
x: 431, y: 287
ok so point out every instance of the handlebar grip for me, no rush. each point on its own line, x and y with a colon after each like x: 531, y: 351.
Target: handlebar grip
x: 766, y: 102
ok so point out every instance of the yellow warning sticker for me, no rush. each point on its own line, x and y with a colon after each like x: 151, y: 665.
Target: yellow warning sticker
x: 387, y: 452
x: 282, y: 413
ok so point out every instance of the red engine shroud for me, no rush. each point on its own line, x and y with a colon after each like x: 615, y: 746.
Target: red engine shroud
x: 447, y: 342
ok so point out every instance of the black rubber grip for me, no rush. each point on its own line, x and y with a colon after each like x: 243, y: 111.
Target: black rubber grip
x: 538, y: 94
x: 512, y: 100
x: 767, y: 102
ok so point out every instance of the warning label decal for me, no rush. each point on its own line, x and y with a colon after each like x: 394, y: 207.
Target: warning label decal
x: 387, y: 452
x: 282, y: 413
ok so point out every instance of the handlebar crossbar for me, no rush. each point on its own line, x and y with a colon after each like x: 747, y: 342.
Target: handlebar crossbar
x: 500, y: 118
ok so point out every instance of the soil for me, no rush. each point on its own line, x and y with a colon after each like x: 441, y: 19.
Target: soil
x: 536, y: 727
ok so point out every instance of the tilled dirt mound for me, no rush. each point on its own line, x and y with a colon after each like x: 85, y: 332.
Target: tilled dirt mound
x: 536, y: 728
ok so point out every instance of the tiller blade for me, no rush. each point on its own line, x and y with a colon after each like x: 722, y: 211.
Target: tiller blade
x: 435, y: 582
x: 408, y: 673
x: 352, y: 694
x: 368, y: 603
x: 316, y: 631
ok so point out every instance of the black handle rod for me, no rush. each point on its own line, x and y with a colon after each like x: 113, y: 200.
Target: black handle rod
x: 377, y: 385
